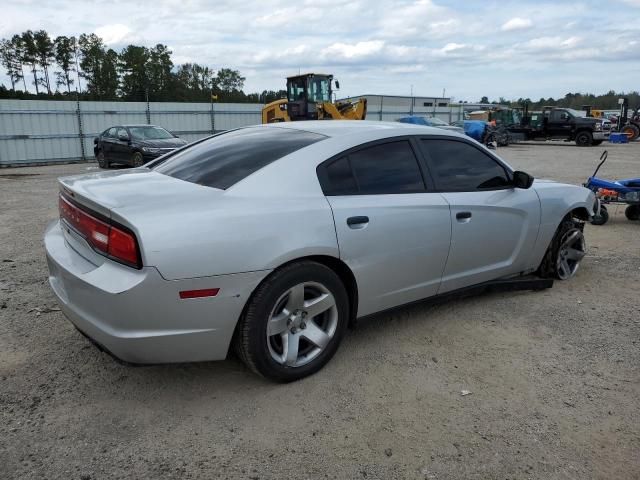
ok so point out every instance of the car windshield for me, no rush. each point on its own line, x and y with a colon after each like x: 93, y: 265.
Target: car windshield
x: 149, y: 133
x: 225, y: 159
x: 576, y: 113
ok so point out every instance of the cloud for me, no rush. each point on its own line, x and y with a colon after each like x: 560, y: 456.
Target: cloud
x: 543, y: 47
x: 349, y: 51
x: 113, y: 34
x: 516, y: 23
x: 542, y: 44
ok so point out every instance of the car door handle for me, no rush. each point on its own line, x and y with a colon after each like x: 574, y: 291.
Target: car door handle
x: 463, y: 215
x: 357, y: 222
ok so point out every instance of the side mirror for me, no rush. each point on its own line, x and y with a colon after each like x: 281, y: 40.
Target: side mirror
x: 123, y: 138
x: 337, y: 85
x: 522, y: 180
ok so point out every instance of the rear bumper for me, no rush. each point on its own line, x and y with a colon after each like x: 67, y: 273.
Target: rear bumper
x: 137, y: 315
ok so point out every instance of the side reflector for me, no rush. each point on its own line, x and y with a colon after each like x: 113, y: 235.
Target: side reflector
x: 206, y: 292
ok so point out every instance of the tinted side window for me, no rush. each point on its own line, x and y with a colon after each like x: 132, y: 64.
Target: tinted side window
x: 387, y: 168
x: 380, y: 169
x: 340, y: 178
x: 460, y: 167
x: 225, y: 159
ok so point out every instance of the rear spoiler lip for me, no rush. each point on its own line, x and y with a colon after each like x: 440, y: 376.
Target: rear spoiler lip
x: 71, y: 199
x: 69, y: 192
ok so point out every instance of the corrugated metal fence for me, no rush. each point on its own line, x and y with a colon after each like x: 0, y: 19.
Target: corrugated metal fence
x: 36, y: 132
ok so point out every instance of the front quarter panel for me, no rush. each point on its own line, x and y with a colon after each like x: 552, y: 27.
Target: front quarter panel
x: 556, y: 201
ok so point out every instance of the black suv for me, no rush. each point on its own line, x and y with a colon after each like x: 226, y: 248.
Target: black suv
x: 133, y: 145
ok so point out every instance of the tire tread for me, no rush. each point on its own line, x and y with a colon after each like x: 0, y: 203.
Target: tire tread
x: 547, y: 266
x: 251, y: 316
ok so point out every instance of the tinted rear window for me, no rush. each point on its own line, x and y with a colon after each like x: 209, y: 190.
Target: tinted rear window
x: 225, y: 159
x: 387, y: 168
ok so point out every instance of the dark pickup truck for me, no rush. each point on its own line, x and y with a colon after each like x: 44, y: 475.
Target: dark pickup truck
x: 563, y: 123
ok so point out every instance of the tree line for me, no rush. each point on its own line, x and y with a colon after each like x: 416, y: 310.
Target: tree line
x: 84, y: 67
x: 607, y: 101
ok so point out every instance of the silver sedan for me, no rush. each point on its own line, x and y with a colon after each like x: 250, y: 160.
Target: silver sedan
x: 273, y: 239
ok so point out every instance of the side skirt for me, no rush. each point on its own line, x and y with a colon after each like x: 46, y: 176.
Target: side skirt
x: 525, y: 282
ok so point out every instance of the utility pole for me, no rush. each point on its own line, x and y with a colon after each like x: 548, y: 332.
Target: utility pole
x: 213, y: 112
x: 412, y: 102
x: 146, y: 95
x: 80, y: 133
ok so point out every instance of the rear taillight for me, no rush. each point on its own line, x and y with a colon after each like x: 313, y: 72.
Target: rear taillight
x: 110, y: 240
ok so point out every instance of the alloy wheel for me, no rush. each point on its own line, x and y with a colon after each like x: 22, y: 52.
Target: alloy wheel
x: 572, y: 250
x: 302, y: 323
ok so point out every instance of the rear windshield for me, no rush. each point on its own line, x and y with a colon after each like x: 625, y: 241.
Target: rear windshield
x: 225, y: 159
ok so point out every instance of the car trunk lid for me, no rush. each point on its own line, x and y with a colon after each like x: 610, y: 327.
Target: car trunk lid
x: 112, y: 196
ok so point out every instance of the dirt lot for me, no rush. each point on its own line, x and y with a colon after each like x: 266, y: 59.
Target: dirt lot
x: 554, y: 375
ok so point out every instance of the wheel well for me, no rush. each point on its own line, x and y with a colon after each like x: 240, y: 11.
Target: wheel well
x: 581, y: 213
x: 346, y: 275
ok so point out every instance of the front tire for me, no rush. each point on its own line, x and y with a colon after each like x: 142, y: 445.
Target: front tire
x: 602, y: 217
x: 584, y: 138
x: 137, y: 160
x: 102, y: 160
x: 565, y: 252
x: 294, y: 322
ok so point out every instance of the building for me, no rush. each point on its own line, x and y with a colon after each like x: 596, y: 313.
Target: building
x: 393, y: 107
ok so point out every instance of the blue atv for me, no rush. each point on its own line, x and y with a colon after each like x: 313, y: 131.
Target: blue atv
x: 619, y: 192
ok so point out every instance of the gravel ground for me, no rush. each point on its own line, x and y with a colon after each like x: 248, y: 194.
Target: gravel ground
x: 554, y: 375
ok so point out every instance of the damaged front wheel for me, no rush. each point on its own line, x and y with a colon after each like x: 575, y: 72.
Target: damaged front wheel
x: 565, y: 252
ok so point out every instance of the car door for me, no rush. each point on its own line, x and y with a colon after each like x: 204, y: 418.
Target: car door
x: 108, y: 139
x: 121, y: 148
x: 392, y: 230
x: 494, y: 225
x: 560, y: 123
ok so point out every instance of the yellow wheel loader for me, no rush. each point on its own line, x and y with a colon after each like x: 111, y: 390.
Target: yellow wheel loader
x: 309, y: 98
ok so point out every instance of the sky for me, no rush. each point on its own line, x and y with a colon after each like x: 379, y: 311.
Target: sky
x: 464, y: 48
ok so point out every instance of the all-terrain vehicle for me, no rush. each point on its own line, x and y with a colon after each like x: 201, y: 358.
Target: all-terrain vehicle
x: 618, y: 192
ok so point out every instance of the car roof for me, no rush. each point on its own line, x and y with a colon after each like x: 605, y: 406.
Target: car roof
x: 339, y: 128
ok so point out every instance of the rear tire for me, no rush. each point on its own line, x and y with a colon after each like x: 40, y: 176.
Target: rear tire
x: 602, y: 217
x: 565, y: 252
x: 632, y: 212
x: 137, y: 160
x: 102, y: 161
x: 631, y: 131
x: 294, y: 322
x: 584, y: 138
